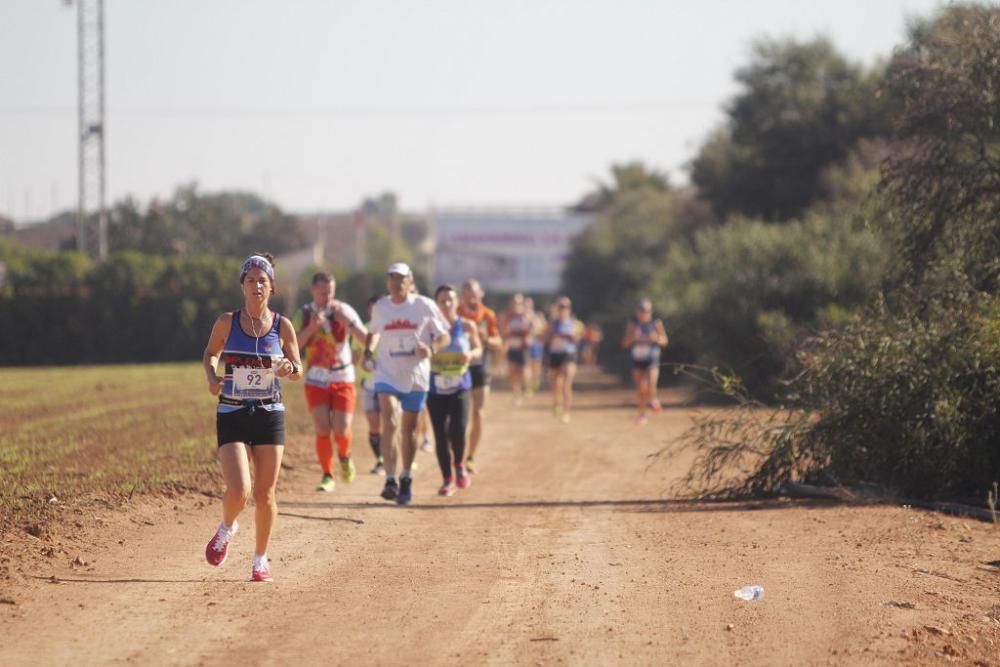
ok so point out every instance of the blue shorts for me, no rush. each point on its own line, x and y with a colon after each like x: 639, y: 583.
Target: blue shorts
x: 412, y: 401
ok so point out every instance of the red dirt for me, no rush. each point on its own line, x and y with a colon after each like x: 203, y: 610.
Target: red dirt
x: 566, y: 550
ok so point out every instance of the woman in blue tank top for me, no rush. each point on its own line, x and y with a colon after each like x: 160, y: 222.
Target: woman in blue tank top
x: 258, y: 347
x: 644, y: 337
x: 448, y: 400
x: 563, y: 340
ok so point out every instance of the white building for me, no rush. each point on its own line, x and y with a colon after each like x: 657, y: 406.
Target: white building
x: 506, y: 249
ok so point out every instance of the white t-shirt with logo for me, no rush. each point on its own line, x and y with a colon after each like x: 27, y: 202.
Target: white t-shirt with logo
x: 400, y: 327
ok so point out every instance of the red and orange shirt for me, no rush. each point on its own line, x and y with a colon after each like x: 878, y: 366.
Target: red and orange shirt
x: 328, y: 353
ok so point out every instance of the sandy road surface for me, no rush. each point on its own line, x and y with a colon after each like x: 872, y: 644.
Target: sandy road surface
x: 566, y: 550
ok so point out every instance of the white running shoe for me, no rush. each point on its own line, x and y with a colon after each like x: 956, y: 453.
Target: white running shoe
x: 261, y: 569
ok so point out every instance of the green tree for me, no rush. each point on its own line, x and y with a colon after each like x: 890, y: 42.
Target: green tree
x: 615, y: 260
x: 627, y: 177
x: 741, y: 295
x: 907, y: 394
x: 616, y: 256
x: 941, y: 200
x: 229, y: 224
x: 802, y: 108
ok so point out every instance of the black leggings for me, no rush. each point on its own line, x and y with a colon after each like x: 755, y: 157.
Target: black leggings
x: 450, y: 418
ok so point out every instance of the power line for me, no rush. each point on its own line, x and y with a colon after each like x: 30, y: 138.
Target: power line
x: 351, y: 111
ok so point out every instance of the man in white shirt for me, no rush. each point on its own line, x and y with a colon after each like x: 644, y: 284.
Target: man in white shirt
x: 406, y: 329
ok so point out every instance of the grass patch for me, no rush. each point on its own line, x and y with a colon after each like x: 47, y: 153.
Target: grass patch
x: 102, y: 431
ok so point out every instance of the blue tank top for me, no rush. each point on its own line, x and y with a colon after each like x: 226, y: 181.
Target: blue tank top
x: 249, y: 360
x: 643, y: 348
x: 563, y: 337
x: 442, y: 383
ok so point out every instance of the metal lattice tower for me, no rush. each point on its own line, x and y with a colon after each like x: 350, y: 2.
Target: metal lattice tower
x: 90, y: 90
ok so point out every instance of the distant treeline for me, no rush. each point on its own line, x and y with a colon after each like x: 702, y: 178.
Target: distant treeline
x: 174, y: 266
x: 61, y: 308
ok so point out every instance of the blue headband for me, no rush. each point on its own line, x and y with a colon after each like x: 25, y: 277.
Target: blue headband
x: 257, y: 262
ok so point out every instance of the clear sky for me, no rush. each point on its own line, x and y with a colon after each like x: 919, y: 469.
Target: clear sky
x: 318, y: 103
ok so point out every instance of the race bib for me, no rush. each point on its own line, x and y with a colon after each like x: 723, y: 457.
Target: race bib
x: 559, y: 345
x: 446, y: 383
x: 515, y: 343
x: 642, y: 352
x: 253, y: 382
x: 319, y: 375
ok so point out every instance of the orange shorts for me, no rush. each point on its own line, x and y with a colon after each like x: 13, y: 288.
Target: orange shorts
x: 339, y: 396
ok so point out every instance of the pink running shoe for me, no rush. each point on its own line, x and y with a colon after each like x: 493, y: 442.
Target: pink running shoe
x: 261, y: 570
x: 462, y: 480
x: 218, y: 547
x: 448, y: 488
x: 655, y: 405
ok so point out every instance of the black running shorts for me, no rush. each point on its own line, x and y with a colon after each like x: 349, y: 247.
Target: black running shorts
x: 517, y: 357
x: 560, y: 359
x: 480, y: 376
x: 260, y: 427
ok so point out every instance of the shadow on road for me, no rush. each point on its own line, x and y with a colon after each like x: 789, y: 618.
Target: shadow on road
x: 320, y: 518
x: 635, y: 505
x: 77, y: 580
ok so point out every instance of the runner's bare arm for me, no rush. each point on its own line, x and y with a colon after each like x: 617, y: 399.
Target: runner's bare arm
x: 371, y: 340
x: 359, y: 331
x: 291, y: 366
x: 493, y: 340
x: 475, y: 343
x: 216, y: 343
x: 310, y: 328
x: 661, y: 334
x: 436, y: 345
x: 629, y: 336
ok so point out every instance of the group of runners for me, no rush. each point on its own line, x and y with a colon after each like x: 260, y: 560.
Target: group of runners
x: 414, y: 355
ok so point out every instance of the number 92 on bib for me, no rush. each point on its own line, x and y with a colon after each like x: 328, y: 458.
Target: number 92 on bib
x: 253, y: 382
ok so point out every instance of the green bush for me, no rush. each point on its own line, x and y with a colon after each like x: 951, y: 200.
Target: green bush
x: 905, y: 396
x: 740, y: 296
x: 911, y: 400
x: 130, y: 308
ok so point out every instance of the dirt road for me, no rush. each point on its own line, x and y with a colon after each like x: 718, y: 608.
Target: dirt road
x: 567, y: 549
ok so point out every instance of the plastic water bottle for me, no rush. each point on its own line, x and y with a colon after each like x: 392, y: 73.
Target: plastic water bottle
x: 750, y: 593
